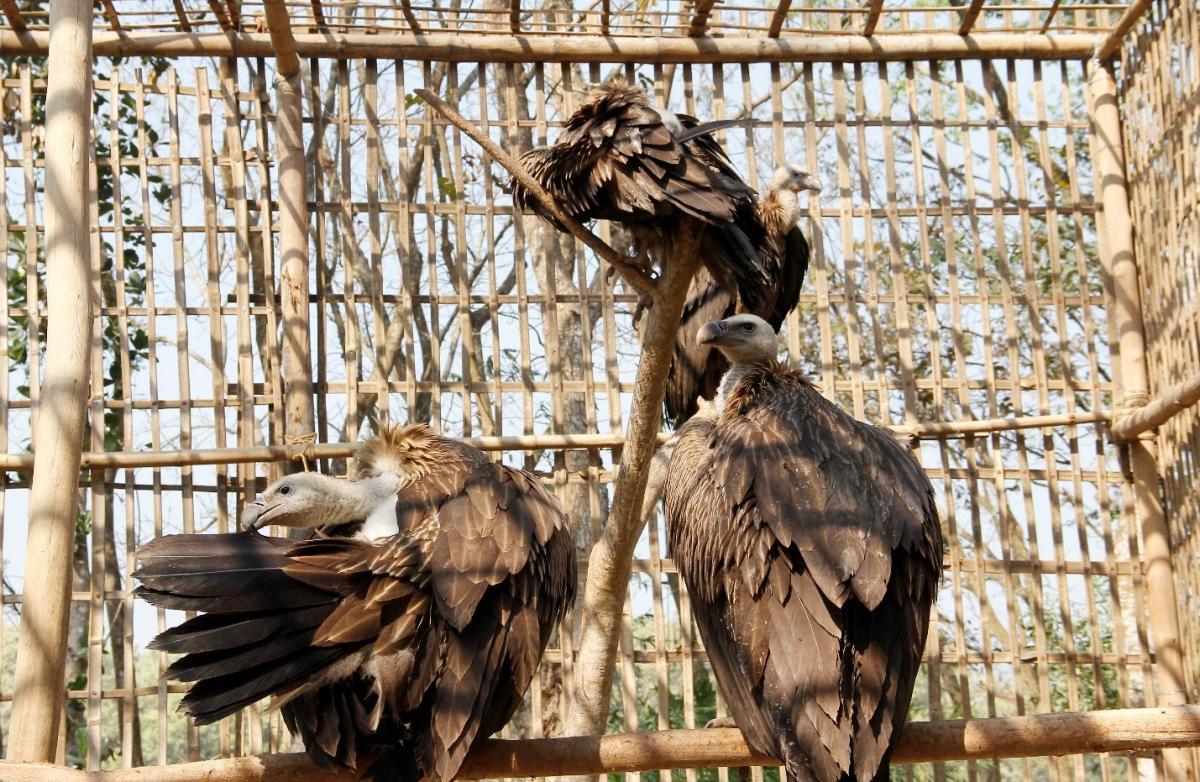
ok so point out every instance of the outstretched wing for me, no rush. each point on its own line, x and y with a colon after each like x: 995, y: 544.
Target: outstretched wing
x: 812, y: 544
x: 618, y: 160
x: 474, y: 585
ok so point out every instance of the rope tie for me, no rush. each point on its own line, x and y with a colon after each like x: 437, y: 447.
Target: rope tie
x: 309, y: 452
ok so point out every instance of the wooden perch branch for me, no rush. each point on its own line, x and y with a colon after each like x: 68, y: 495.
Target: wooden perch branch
x: 1158, y: 411
x: 635, y: 277
x: 1118, y: 730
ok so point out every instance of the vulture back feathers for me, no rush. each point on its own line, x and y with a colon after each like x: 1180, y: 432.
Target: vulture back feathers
x: 655, y: 172
x: 393, y: 654
x: 811, y: 548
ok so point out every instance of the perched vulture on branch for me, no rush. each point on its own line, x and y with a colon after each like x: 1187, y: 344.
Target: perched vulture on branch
x: 811, y: 548
x: 658, y: 174
x: 406, y: 629
x: 696, y: 369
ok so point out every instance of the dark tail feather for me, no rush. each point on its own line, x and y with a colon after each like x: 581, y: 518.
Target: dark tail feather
x: 255, y: 639
x: 222, y: 573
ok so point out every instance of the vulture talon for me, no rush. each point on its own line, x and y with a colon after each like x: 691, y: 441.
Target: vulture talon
x: 721, y: 722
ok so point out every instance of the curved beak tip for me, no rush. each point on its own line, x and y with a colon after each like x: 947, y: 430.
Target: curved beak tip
x: 710, y: 333
x: 251, y: 514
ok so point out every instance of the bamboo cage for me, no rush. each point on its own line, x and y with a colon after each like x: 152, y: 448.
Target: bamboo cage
x: 289, y: 246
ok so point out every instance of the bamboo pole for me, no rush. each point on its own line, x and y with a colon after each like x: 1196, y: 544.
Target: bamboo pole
x: 298, y: 425
x: 59, y: 426
x: 457, y: 47
x: 1112, y: 42
x: 1157, y: 412
x: 297, y: 451
x: 1117, y: 730
x: 1117, y: 257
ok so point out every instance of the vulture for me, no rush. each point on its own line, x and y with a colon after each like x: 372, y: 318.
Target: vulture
x: 402, y: 632
x: 783, y: 252
x: 811, y: 549
x: 657, y: 173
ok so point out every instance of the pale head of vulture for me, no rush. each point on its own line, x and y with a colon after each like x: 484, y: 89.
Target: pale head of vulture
x: 747, y: 341
x: 309, y: 499
x: 795, y: 179
x: 743, y: 339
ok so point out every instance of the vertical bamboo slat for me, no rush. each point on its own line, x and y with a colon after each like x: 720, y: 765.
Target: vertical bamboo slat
x: 41, y: 654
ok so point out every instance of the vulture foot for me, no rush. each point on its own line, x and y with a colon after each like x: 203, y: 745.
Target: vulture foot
x: 721, y: 722
x: 644, y: 303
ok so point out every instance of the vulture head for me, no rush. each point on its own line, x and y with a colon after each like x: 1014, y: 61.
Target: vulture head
x: 795, y: 179
x: 309, y: 499
x: 743, y: 339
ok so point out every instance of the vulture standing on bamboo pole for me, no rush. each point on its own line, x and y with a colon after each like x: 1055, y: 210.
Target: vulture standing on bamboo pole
x: 406, y: 629
x: 783, y: 251
x: 811, y: 548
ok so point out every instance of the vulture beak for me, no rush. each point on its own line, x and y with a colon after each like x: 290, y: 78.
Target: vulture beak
x: 711, y: 333
x: 810, y: 182
x: 256, y: 515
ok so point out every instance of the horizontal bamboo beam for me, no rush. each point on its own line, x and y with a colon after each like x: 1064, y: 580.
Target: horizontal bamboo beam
x: 1158, y: 411
x: 1118, y: 730
x: 455, y: 47
x: 1112, y: 42
x: 116, y: 460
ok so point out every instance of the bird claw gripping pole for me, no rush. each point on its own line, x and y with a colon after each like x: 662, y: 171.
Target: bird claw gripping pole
x: 611, y: 556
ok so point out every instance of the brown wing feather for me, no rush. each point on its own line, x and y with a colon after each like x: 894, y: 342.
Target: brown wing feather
x: 811, y: 547
x: 405, y: 650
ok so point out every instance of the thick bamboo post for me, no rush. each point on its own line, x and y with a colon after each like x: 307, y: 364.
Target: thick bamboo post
x: 293, y: 229
x: 1117, y: 256
x: 58, y: 433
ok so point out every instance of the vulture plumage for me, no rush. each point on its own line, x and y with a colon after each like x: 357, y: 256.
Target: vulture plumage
x: 783, y: 252
x: 406, y: 629
x: 658, y: 174
x: 811, y: 548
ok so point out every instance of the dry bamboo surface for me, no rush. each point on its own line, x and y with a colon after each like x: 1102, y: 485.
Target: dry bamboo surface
x: 1161, y: 155
x: 1157, y: 411
x: 301, y: 451
x: 518, y: 48
x: 953, y: 292
x: 53, y: 505
x: 1117, y: 256
x: 1125, y: 730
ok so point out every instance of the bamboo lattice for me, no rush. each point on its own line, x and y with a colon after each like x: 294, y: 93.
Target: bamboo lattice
x: 955, y: 278
x: 1160, y: 91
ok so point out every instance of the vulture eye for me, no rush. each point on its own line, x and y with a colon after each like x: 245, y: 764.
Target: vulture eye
x: 285, y: 490
x: 747, y: 327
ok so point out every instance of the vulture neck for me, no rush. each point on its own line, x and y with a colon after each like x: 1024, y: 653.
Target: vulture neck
x: 789, y: 204
x: 737, y: 371
x: 347, y: 501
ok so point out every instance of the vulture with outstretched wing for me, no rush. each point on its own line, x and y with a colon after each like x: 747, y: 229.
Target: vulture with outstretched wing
x: 783, y: 251
x: 404, y: 631
x: 811, y: 549
x: 657, y: 173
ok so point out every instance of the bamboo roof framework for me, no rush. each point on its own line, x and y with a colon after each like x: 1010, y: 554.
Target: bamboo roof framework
x: 1060, y: 552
